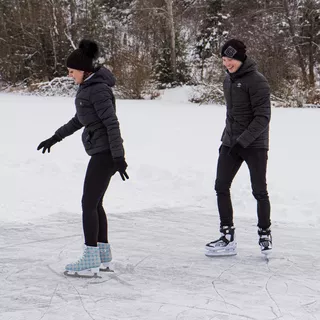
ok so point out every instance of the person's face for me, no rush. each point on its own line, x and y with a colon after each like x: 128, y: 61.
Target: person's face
x: 231, y: 64
x: 77, y: 75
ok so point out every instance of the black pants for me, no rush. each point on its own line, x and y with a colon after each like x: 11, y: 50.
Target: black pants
x: 99, y: 172
x: 228, y: 166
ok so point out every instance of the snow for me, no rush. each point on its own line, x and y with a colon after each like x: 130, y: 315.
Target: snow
x: 160, y: 219
x: 181, y: 94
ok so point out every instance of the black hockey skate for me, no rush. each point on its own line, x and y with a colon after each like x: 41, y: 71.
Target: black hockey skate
x: 265, y: 240
x: 225, y: 246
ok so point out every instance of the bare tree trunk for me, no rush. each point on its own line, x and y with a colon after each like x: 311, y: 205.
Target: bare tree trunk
x: 172, y: 39
x: 73, y: 8
x: 295, y: 42
x: 312, y: 33
x: 311, y: 62
x: 87, y: 16
x: 30, y: 12
x: 54, y: 33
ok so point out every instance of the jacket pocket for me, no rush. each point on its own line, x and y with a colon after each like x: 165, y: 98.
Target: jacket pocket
x: 87, y: 139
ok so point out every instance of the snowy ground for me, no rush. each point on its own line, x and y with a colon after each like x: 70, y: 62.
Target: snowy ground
x: 159, y: 220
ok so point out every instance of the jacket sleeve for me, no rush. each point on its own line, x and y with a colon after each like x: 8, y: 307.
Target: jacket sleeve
x: 69, y: 128
x: 102, y: 99
x: 259, y: 93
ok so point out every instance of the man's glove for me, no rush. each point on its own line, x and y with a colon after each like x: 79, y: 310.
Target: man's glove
x: 47, y: 144
x: 121, y: 166
x: 235, y: 149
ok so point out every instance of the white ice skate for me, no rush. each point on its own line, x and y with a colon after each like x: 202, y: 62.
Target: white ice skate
x: 87, y: 266
x: 226, y: 245
x: 265, y: 241
x: 105, y: 256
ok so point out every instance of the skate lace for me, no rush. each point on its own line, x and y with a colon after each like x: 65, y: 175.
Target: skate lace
x: 83, y: 255
x: 265, y: 240
x: 222, y: 241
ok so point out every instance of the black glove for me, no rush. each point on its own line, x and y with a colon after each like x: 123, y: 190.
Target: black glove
x: 47, y: 144
x: 235, y: 149
x: 121, y: 166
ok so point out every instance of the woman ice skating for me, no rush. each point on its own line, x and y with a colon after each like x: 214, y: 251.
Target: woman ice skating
x: 101, y: 137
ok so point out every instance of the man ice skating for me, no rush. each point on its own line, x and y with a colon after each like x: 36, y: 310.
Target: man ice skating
x: 245, y: 139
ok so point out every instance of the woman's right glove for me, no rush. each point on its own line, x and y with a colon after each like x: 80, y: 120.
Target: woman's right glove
x: 47, y: 144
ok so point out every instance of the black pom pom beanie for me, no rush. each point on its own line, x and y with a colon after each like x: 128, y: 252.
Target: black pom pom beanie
x: 83, y: 58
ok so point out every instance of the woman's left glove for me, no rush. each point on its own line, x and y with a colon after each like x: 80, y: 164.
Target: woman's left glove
x: 121, y: 166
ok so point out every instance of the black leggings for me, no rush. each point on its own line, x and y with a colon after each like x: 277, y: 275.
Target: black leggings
x: 228, y: 167
x: 99, y: 172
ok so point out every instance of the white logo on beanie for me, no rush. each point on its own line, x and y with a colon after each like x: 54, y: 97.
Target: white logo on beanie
x: 230, y: 52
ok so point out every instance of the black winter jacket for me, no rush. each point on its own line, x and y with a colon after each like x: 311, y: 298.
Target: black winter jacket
x: 247, y: 96
x: 96, y: 111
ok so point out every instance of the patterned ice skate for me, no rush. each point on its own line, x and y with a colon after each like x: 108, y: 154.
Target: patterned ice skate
x: 87, y: 266
x: 265, y: 241
x: 225, y: 246
x: 105, y: 256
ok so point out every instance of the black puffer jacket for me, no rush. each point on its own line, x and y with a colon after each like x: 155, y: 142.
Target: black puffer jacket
x: 96, y: 111
x: 247, y: 96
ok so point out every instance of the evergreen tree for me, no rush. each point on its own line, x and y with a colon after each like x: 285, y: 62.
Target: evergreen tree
x: 212, y: 32
x: 163, y: 73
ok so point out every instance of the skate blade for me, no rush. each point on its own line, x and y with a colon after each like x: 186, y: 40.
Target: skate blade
x: 220, y: 253
x: 82, y: 274
x: 105, y: 269
x: 266, y: 252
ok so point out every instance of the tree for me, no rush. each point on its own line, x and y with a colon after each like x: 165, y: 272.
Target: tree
x: 310, y: 35
x: 212, y: 32
x: 163, y: 70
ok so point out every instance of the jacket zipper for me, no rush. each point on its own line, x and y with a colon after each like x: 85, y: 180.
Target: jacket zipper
x: 231, y: 109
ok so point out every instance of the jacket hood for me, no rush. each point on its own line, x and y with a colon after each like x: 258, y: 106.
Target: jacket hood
x: 102, y: 75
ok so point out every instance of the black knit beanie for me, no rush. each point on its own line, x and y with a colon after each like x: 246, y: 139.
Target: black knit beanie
x: 83, y: 57
x: 234, y: 49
